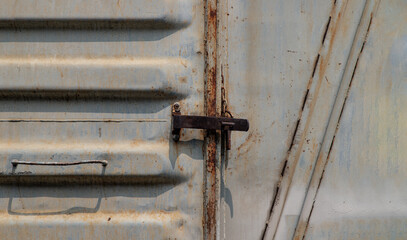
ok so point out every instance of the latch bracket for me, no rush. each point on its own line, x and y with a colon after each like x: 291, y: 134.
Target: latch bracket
x: 226, y: 124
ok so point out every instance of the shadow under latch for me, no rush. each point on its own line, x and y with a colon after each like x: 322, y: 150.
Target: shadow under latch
x: 225, y: 124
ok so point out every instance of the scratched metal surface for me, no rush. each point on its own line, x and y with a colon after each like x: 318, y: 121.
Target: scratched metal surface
x: 269, y: 49
x: 345, y: 32
x: 89, y: 80
x: 362, y: 192
x: 288, y: 66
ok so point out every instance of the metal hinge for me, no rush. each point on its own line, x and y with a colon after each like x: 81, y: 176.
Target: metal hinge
x: 226, y: 124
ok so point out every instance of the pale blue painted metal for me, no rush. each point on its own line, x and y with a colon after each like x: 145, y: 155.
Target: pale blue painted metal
x: 95, y: 80
x: 293, y: 62
x: 362, y: 193
x: 272, y: 47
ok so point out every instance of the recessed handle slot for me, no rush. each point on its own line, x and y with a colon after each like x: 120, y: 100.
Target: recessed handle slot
x: 15, y: 162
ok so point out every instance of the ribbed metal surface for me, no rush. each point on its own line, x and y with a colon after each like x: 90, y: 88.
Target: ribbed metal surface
x: 95, y: 80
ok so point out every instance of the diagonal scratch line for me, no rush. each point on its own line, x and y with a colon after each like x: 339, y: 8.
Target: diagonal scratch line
x: 339, y: 105
x: 276, y: 198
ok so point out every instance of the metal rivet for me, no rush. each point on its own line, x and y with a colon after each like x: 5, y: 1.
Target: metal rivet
x: 176, y: 107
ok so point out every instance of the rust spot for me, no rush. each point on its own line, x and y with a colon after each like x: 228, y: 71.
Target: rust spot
x: 183, y: 79
x: 181, y: 168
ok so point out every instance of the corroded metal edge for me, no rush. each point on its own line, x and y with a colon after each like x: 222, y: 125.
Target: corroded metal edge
x: 211, y: 169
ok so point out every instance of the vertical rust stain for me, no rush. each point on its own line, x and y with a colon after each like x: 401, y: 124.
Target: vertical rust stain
x: 211, y: 189
x: 211, y: 168
x: 211, y: 57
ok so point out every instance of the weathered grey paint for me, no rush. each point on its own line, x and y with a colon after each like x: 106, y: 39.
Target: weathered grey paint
x: 322, y: 83
x: 93, y: 80
x: 272, y: 47
x: 362, y: 193
x: 338, y: 56
x: 265, y: 199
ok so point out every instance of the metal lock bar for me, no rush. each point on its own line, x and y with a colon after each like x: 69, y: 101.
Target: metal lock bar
x: 224, y: 124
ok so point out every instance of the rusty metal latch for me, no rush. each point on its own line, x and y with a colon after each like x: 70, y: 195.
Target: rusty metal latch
x: 225, y: 124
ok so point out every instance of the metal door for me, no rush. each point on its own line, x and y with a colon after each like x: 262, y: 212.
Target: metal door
x: 358, y: 187
x: 90, y: 84
x: 323, y: 84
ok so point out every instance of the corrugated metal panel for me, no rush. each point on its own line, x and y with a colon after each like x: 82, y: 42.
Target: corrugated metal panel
x: 95, y: 80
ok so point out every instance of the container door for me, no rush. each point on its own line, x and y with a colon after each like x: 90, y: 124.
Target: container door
x: 359, y: 191
x: 273, y: 47
x: 323, y: 84
x: 86, y: 92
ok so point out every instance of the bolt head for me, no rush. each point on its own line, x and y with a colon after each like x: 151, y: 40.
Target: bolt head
x: 175, y: 137
x: 177, y: 107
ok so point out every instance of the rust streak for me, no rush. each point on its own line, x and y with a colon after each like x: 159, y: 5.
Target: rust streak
x: 314, y: 69
x: 305, y: 100
x: 326, y: 30
x: 283, y: 170
x: 211, y: 168
x: 273, y: 203
x: 337, y: 126
x: 294, y: 134
x: 322, y: 63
